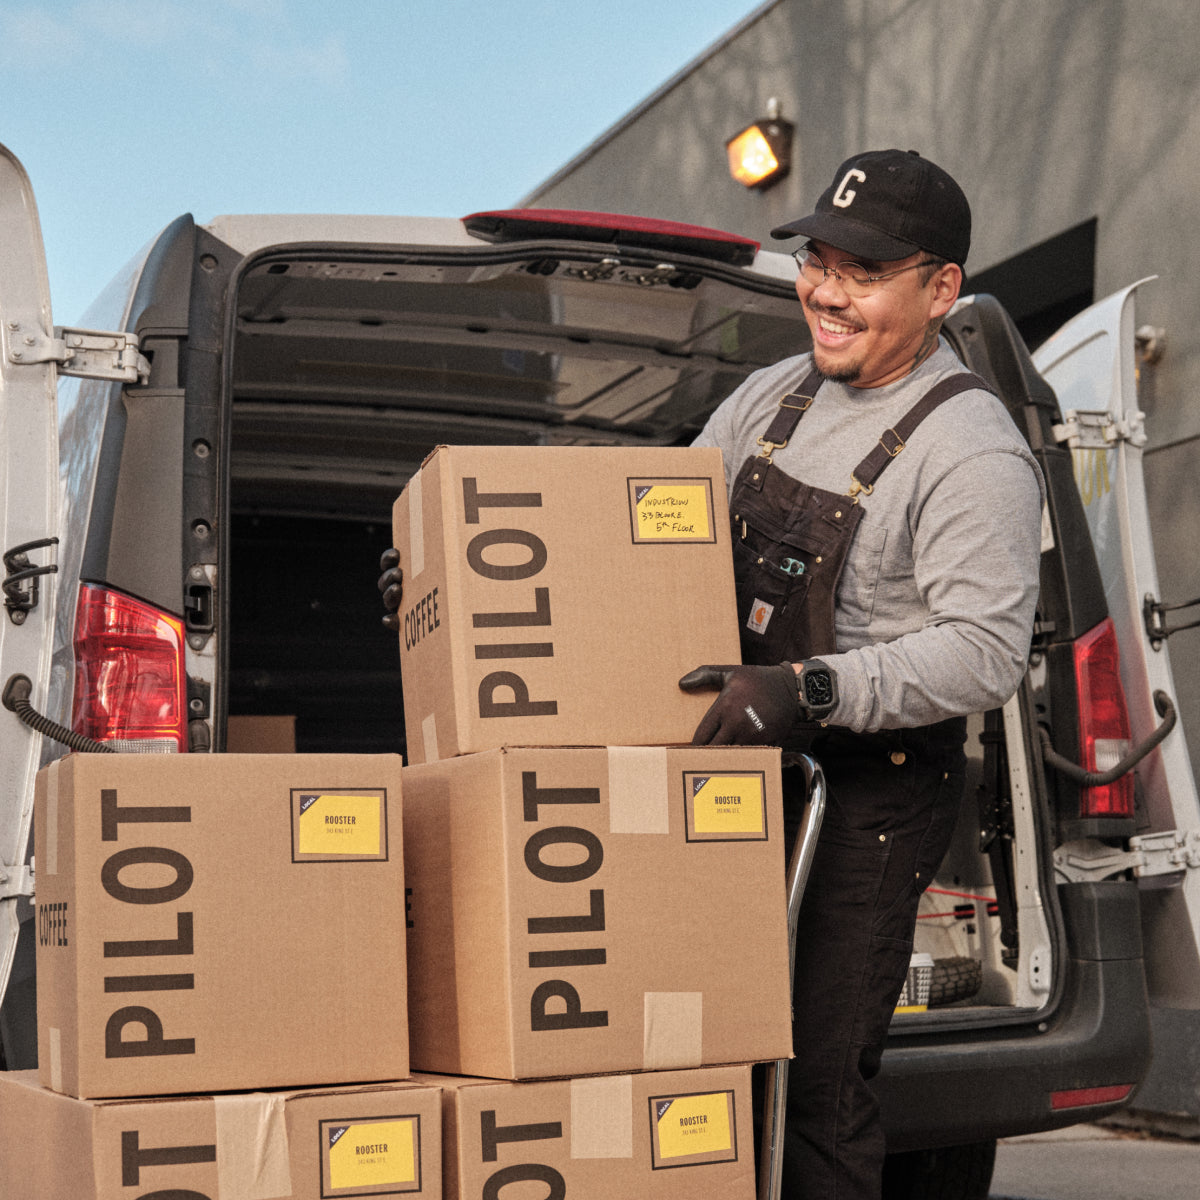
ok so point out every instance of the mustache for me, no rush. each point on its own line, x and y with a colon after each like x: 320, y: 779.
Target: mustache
x: 834, y: 314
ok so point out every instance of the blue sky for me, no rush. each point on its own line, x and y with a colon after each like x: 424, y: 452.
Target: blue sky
x: 127, y: 113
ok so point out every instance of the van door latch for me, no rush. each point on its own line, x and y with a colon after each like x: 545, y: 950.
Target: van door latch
x: 21, y: 578
x: 85, y: 353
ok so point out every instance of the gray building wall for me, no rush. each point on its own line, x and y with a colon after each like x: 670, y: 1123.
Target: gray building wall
x: 1051, y: 113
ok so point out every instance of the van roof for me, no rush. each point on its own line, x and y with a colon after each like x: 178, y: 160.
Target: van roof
x: 251, y: 233
x: 248, y: 233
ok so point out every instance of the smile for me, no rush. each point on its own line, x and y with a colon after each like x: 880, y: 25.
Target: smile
x: 831, y: 330
x: 836, y: 328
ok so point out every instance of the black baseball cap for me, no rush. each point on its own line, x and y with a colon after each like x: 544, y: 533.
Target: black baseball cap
x: 888, y: 204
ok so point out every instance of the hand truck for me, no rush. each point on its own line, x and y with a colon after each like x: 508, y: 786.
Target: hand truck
x: 770, y: 1159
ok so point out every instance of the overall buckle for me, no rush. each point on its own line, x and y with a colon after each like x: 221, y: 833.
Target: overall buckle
x: 804, y: 403
x: 769, y: 447
x: 857, y: 486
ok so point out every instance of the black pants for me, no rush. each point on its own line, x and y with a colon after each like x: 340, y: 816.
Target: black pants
x: 893, y: 799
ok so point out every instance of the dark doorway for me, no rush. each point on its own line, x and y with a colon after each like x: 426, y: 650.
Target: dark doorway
x: 1044, y: 286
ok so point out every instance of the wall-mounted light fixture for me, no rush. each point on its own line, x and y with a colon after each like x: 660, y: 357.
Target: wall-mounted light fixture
x: 761, y: 154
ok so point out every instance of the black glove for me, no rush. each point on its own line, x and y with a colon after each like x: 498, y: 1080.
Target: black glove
x: 391, y: 587
x: 757, y: 706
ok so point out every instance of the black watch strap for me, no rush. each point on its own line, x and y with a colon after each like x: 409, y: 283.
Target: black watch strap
x: 816, y: 689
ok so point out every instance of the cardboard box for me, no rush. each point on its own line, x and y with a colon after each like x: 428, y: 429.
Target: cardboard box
x: 214, y: 922
x: 669, y: 1135
x: 576, y: 911
x: 555, y: 595
x: 383, y: 1140
x: 250, y: 734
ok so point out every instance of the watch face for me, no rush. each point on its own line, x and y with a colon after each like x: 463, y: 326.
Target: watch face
x: 818, y: 688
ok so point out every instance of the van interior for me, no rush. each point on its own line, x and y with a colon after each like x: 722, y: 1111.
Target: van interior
x: 347, y: 370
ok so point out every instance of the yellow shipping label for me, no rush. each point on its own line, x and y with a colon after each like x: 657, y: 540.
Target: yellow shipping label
x: 688, y: 1126
x: 672, y: 510
x: 340, y: 823
x: 726, y: 806
x: 373, y: 1154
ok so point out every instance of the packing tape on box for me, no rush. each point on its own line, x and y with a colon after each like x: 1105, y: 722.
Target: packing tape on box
x: 47, y: 855
x: 429, y: 738
x: 47, y: 864
x: 602, y: 1117
x: 416, y: 530
x: 252, y: 1147
x: 638, y: 798
x: 672, y: 1036
x: 54, y: 1037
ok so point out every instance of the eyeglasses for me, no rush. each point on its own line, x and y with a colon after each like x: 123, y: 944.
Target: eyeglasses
x: 855, y: 279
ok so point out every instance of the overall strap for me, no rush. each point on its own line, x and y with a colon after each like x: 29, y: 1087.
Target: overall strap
x: 791, y: 408
x: 893, y: 440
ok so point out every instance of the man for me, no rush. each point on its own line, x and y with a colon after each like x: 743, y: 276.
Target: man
x: 886, y: 518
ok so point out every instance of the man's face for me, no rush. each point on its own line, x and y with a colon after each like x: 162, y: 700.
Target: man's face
x: 872, y: 340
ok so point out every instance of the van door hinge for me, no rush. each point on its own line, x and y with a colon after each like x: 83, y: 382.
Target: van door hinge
x: 1149, y: 856
x: 1099, y: 430
x: 21, y: 578
x: 1154, y: 617
x: 86, y: 353
x: 15, y: 881
x: 1167, y: 852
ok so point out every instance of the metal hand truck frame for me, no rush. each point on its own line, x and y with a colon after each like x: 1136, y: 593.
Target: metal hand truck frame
x: 770, y: 1169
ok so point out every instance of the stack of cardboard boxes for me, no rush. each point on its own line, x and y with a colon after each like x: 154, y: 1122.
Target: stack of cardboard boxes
x: 594, y: 909
x: 209, y: 927
x: 597, y: 918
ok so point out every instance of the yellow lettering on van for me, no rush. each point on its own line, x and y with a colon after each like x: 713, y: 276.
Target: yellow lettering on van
x: 1091, y: 474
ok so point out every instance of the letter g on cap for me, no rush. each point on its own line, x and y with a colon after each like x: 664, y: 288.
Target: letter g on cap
x: 844, y: 196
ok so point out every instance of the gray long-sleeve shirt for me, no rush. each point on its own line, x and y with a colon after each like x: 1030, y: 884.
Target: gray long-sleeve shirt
x: 934, y: 610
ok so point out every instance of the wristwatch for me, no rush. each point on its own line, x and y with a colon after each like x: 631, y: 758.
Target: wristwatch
x: 816, y: 688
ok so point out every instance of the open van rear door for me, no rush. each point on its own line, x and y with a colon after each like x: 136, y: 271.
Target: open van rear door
x: 28, y: 525
x: 1091, y: 364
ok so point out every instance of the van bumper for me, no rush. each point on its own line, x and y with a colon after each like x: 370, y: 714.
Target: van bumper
x: 945, y: 1088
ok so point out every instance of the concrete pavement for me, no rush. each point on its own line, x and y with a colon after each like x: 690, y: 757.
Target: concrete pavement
x: 1093, y: 1162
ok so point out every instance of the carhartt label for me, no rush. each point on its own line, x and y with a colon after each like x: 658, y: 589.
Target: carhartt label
x: 760, y: 616
x: 693, y: 1129
x: 723, y: 807
x: 672, y: 510
x: 369, y: 1158
x: 337, y: 825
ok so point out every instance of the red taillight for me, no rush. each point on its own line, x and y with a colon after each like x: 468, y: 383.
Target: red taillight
x: 1104, y: 736
x: 1082, y: 1097
x: 130, y: 682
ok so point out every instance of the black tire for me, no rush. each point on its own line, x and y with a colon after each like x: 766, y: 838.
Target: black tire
x: 954, y: 979
x: 948, y: 1173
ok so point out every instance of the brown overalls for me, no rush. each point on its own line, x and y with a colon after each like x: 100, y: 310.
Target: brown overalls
x: 893, y: 801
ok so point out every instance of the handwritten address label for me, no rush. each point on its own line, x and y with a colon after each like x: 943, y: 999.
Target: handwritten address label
x: 672, y: 510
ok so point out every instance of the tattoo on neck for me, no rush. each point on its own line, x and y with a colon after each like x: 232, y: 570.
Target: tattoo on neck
x: 928, y: 343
